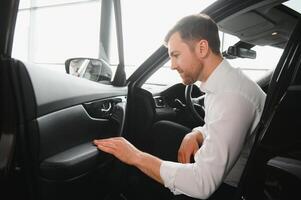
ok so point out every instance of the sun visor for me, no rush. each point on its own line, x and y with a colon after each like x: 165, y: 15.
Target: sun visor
x: 246, y: 25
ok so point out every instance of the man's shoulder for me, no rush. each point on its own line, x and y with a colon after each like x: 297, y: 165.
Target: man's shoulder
x: 238, y: 84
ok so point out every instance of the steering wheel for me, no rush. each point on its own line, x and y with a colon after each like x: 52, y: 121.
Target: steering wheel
x: 194, y: 105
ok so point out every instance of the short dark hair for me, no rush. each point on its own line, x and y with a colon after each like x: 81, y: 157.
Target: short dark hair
x: 197, y: 27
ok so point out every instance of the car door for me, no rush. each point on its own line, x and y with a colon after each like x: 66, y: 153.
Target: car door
x: 51, y: 119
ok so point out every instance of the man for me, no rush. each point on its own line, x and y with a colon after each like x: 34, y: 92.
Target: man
x: 233, y: 105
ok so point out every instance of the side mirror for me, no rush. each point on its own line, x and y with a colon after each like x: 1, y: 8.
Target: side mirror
x: 89, y: 68
x: 234, y: 52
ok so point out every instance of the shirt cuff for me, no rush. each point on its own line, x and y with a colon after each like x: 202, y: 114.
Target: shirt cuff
x: 202, y: 130
x: 168, y: 172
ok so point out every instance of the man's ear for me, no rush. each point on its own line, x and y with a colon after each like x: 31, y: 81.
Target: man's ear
x: 202, y: 48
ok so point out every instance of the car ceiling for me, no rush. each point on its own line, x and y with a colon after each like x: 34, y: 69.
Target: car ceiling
x: 262, y: 25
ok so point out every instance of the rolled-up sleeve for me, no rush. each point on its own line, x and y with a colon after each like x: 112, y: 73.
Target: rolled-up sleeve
x: 227, y: 125
x: 168, y: 173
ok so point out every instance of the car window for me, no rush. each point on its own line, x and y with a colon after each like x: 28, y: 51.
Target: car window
x: 293, y: 4
x: 49, y: 32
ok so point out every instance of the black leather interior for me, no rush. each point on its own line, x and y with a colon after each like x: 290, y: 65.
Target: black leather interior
x: 73, y: 162
x: 283, y: 178
x: 140, y: 118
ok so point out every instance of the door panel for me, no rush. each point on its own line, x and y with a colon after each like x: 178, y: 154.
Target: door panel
x: 64, y: 114
x: 73, y: 162
x: 69, y: 127
x: 72, y: 130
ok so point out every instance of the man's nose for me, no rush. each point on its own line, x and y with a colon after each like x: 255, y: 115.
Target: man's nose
x: 173, y: 65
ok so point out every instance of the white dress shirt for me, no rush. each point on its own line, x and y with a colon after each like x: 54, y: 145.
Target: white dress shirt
x: 233, y: 106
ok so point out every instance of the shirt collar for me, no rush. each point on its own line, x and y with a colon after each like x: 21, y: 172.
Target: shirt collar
x: 214, y: 80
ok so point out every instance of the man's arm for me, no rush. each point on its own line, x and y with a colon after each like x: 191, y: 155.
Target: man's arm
x: 150, y: 165
x: 127, y: 153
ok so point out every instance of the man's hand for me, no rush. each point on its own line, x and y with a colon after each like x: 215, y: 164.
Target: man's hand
x: 127, y: 153
x: 189, y: 146
x: 120, y: 148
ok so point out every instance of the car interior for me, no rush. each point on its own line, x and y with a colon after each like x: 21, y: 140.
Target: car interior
x: 49, y: 118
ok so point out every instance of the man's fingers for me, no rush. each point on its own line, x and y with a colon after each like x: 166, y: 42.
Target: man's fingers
x: 187, y: 157
x: 106, y: 148
x: 101, y: 141
x: 107, y: 140
x: 106, y: 145
x: 180, y: 157
x: 184, y: 156
x: 109, y: 144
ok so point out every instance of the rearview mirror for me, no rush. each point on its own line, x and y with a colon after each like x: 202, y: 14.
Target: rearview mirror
x: 234, y: 52
x: 89, y: 68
